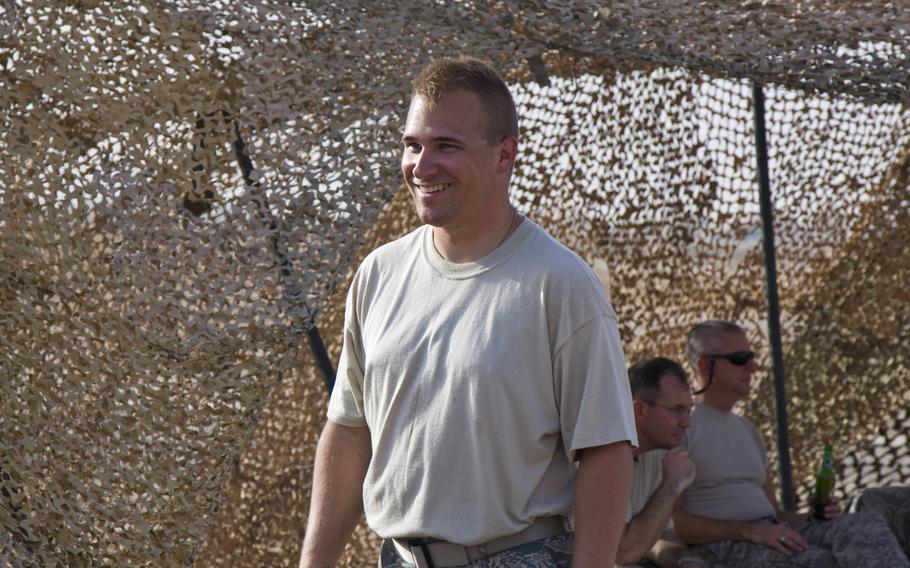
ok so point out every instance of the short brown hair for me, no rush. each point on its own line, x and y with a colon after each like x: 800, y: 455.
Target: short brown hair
x: 448, y: 74
x: 645, y: 376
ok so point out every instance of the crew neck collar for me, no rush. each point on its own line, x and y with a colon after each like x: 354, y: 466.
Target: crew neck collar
x: 460, y: 270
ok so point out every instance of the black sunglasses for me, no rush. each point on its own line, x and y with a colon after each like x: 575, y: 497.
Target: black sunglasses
x: 739, y: 358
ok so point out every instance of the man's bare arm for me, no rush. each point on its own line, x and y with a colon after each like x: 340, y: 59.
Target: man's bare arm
x: 646, y: 527
x: 336, y: 503
x: 779, y: 512
x: 601, y: 498
x: 671, y: 552
x: 694, y: 529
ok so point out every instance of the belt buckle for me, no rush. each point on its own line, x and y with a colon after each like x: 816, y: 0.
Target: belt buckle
x: 421, y: 554
x: 442, y: 554
x: 476, y: 552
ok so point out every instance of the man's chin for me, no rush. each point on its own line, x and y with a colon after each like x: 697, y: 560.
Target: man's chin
x: 431, y: 218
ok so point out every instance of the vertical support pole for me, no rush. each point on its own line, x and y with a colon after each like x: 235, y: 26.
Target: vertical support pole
x: 322, y: 357
x: 304, y: 321
x: 777, y: 360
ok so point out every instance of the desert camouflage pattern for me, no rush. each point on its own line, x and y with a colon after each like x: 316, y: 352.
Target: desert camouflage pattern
x: 187, y: 185
x: 857, y: 540
x: 552, y: 552
x: 893, y: 504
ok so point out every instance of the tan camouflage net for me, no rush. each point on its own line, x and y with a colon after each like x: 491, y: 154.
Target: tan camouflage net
x: 185, y: 187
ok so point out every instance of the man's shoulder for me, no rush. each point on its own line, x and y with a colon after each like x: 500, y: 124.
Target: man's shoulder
x: 704, y: 411
x: 393, y: 252
x: 554, y: 251
x: 572, y: 292
x: 395, y: 247
x: 652, y: 457
x: 383, y: 265
x: 558, y: 263
x: 713, y: 424
x: 648, y: 465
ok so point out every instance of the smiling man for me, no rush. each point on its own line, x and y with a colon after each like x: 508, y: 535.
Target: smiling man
x: 731, y: 511
x: 481, y: 394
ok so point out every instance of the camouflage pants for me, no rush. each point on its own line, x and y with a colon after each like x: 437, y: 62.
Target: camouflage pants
x: 857, y: 540
x: 892, y: 503
x: 552, y: 552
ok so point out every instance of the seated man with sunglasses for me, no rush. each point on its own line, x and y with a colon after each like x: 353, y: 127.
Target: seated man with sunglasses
x: 730, y: 514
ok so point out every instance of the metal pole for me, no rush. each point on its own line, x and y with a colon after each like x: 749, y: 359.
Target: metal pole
x: 777, y: 360
x: 302, y: 321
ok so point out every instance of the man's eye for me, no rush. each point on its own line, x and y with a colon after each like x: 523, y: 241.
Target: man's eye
x: 412, y: 147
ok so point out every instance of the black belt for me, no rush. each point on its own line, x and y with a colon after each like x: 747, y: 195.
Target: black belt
x: 441, y: 554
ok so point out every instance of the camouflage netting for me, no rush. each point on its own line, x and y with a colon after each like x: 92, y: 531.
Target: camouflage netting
x: 185, y: 187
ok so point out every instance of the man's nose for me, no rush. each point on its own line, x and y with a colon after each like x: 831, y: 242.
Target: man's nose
x: 424, y: 165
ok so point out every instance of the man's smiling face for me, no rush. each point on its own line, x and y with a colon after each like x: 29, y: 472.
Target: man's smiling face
x: 449, y: 165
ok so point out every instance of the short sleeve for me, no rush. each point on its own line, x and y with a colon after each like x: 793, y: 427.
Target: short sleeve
x: 592, y: 386
x: 346, y: 402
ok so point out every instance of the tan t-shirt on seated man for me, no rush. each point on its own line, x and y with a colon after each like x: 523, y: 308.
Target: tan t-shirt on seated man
x: 647, y: 475
x: 729, y: 483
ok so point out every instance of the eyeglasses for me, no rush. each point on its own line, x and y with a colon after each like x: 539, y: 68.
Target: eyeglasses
x: 739, y: 358
x: 681, y: 411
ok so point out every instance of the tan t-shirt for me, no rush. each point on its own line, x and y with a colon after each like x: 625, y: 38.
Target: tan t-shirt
x: 478, y: 381
x: 647, y: 475
x: 731, y: 465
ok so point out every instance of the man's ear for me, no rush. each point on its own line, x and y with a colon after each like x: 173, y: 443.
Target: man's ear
x: 703, y: 364
x: 508, y: 150
x: 639, y: 409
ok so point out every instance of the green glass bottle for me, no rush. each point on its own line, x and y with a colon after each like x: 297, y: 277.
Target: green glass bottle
x: 824, y: 483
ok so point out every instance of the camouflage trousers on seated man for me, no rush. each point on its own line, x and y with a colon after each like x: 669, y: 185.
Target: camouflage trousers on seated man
x: 552, y: 552
x: 893, y: 504
x: 853, y: 540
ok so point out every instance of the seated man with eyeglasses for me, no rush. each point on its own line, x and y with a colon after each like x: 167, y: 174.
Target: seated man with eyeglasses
x: 730, y: 514
x: 662, y: 470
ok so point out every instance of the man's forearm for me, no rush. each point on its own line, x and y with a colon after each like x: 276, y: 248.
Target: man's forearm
x: 648, y: 525
x: 670, y: 552
x: 336, y: 502
x: 693, y: 529
x: 602, y: 495
x: 793, y: 518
